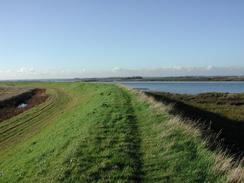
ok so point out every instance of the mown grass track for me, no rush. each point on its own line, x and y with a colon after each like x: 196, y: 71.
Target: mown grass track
x: 32, y: 120
x: 108, y: 149
x: 101, y: 133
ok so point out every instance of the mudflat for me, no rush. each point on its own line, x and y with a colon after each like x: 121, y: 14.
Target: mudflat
x: 11, y: 98
x: 9, y: 92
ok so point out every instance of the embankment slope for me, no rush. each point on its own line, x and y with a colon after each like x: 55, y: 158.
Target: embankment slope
x: 104, y: 133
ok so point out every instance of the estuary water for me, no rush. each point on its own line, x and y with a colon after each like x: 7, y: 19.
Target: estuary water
x: 188, y: 87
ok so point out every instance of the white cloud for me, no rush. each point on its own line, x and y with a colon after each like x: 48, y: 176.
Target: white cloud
x: 116, y: 69
x: 210, y: 67
x: 26, y: 70
x: 31, y: 73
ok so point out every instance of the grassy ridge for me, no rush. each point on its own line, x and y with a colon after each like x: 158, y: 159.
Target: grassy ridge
x: 102, y: 133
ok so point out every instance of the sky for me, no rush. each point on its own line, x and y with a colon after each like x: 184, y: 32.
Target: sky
x: 99, y: 38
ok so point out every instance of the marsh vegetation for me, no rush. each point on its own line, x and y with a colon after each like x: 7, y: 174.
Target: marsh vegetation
x: 219, y: 115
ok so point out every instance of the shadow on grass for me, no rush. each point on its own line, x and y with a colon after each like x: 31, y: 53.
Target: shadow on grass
x: 221, y: 132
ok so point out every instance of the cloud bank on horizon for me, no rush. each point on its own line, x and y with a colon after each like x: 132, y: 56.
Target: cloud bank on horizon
x: 32, y: 73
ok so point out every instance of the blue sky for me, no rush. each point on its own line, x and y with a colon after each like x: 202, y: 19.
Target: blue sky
x: 90, y: 37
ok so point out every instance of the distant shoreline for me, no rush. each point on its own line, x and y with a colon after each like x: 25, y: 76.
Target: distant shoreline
x: 136, y: 78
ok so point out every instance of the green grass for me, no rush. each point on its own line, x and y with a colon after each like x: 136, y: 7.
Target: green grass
x: 171, y: 153
x: 101, y: 133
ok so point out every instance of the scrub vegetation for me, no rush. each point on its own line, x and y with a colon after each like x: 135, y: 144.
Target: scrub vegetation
x: 105, y: 133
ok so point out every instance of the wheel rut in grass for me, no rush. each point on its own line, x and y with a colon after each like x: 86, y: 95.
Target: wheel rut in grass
x: 134, y: 137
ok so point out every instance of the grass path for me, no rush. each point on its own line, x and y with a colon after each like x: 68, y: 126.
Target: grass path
x: 100, y: 133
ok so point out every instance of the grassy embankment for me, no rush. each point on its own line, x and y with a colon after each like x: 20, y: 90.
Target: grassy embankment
x: 102, y: 133
x: 222, y: 113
